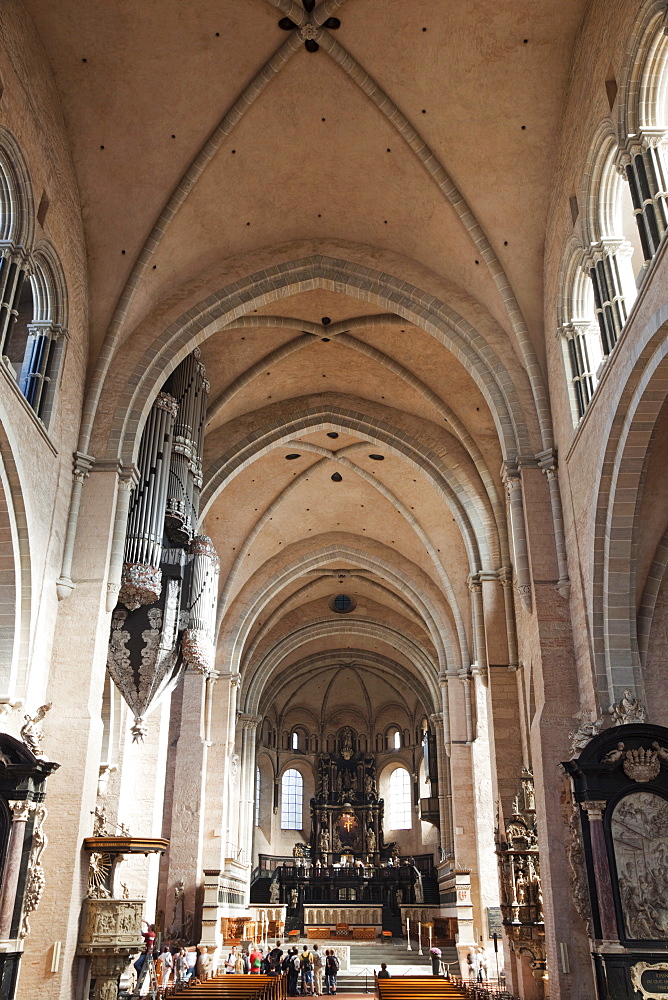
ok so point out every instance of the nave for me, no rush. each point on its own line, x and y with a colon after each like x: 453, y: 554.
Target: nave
x: 333, y: 498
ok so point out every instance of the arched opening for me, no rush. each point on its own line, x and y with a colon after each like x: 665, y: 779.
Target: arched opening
x: 400, y: 813
x: 393, y: 738
x: 292, y: 794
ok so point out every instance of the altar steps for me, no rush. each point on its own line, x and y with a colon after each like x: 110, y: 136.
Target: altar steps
x: 364, y: 959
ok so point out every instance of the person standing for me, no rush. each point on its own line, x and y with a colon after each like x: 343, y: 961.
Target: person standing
x: 383, y: 974
x: 317, y: 970
x: 255, y: 960
x: 331, y: 971
x: 275, y: 956
x: 166, y: 960
x: 180, y: 966
x: 306, y: 961
x: 293, y: 973
x: 231, y: 962
x: 191, y: 961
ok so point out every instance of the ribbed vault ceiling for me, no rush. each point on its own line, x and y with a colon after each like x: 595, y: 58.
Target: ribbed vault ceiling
x: 417, y: 142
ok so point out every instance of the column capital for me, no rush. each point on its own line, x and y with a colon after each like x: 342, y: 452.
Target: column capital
x: 510, y: 474
x: 594, y: 809
x: 505, y: 576
x: 547, y: 462
x: 81, y: 465
x: 233, y: 679
x: 474, y: 583
x: 437, y: 719
x: 248, y: 721
x: 21, y: 809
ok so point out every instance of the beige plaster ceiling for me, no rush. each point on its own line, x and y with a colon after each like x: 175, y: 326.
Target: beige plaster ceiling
x: 448, y: 204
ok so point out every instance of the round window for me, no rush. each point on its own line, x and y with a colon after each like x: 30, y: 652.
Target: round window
x: 343, y: 604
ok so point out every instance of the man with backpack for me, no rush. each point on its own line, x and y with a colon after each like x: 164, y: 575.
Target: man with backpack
x: 275, y: 956
x: 332, y: 966
x: 293, y: 966
x: 307, y: 972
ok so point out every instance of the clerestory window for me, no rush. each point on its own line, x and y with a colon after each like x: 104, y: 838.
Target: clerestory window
x: 292, y: 795
x: 400, y: 800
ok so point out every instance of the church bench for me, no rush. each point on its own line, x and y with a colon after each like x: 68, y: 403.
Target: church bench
x: 240, y: 987
x: 417, y: 988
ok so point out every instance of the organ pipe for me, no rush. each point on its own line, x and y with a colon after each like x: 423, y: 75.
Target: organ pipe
x: 190, y: 388
x: 198, y: 644
x: 141, y: 581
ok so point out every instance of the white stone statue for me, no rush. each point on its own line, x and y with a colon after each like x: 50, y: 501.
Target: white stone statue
x: 627, y: 710
x: 31, y: 734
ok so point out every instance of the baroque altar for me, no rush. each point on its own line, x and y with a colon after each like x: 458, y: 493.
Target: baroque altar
x: 346, y: 813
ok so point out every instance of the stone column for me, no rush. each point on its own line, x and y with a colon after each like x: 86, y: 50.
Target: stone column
x: 20, y: 813
x: 185, y: 797
x: 443, y: 786
x: 513, y: 483
x: 127, y: 481
x: 485, y: 887
x: 221, y: 740
x: 82, y: 466
x: 547, y: 463
x: 73, y: 736
x: 546, y: 638
x: 477, y: 614
x: 249, y: 724
x: 606, y: 904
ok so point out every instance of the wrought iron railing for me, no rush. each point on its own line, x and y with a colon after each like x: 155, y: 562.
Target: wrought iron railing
x: 482, y: 991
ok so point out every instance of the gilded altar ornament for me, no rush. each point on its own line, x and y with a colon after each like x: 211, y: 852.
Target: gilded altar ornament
x: 31, y: 734
x: 519, y: 875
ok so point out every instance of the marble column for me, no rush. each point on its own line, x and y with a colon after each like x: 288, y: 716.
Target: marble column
x: 606, y: 904
x: 20, y: 813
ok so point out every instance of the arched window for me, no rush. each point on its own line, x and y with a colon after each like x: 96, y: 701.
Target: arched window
x: 644, y: 114
x: 292, y: 794
x: 295, y: 740
x: 400, y: 800
x: 393, y: 738
x: 583, y: 351
x: 33, y: 293
x: 258, y: 786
